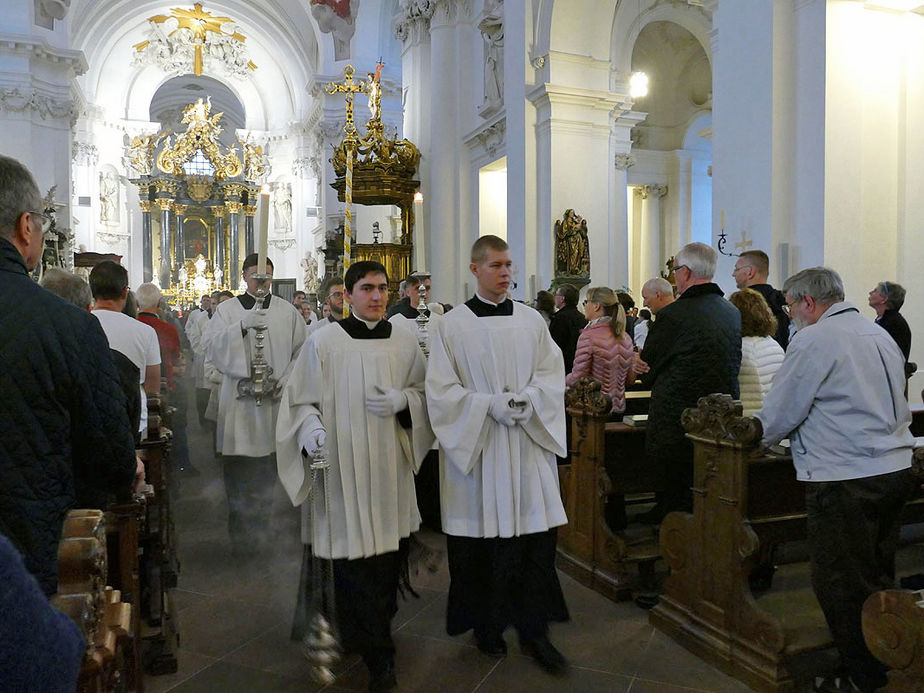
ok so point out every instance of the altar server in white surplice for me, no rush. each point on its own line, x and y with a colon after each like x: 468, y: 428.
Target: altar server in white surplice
x: 495, y: 393
x: 404, y: 316
x: 246, y: 433
x: 357, y: 391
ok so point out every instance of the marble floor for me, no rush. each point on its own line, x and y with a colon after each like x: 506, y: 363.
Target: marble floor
x: 235, y: 616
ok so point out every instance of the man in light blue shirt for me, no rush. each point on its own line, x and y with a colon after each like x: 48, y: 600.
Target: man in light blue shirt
x: 839, y: 397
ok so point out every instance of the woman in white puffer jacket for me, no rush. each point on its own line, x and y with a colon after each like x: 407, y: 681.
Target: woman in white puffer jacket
x: 761, y: 355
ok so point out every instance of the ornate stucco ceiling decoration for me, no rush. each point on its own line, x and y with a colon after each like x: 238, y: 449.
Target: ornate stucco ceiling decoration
x: 185, y: 40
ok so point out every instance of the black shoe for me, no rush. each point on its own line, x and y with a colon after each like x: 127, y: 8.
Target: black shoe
x: 492, y: 645
x: 383, y: 679
x: 545, y: 655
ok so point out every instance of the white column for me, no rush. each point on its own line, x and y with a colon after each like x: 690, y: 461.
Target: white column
x: 443, y: 198
x: 620, y: 152
x: 412, y: 28
x: 652, y: 252
x: 38, y: 99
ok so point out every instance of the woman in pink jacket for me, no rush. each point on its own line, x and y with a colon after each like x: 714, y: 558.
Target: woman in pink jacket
x: 604, y: 350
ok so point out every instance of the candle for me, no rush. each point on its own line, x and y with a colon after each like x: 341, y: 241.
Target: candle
x: 723, y: 220
x: 418, y: 239
x: 264, y: 229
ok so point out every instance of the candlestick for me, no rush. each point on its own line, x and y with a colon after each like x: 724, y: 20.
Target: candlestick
x: 264, y: 229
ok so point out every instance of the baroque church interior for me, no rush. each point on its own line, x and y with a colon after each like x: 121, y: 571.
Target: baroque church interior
x: 787, y: 126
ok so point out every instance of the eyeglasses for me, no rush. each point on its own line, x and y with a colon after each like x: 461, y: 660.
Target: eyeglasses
x: 787, y: 308
x: 738, y: 269
x: 335, y: 294
x: 679, y: 267
x: 46, y: 220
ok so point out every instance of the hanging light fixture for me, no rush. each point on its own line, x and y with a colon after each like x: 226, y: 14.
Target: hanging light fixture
x: 638, y: 85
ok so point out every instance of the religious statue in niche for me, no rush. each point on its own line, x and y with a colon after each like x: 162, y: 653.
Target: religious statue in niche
x: 282, y: 206
x: 108, y: 197
x: 310, y: 265
x: 572, y: 253
x: 491, y: 26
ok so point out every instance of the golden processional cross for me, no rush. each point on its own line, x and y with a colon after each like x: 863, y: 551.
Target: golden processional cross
x: 200, y: 22
x: 349, y: 88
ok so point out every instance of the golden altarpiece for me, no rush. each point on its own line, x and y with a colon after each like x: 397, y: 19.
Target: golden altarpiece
x: 199, y: 190
x: 383, y: 172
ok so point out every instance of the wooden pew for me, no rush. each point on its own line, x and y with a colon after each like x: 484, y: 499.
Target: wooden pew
x: 587, y: 549
x: 742, y: 501
x: 98, y: 610
x: 159, y: 566
x: 893, y: 627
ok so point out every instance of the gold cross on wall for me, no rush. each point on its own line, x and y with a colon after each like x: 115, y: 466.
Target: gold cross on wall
x: 349, y: 88
x: 744, y: 244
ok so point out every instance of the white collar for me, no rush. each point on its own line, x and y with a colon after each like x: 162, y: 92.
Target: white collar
x: 484, y: 300
x: 368, y: 323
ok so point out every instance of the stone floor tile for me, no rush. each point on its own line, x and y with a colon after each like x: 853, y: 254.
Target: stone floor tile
x: 519, y: 674
x: 227, y: 677
x: 275, y: 653
x: 189, y: 664
x: 426, y: 665
x: 666, y: 661
x: 218, y: 626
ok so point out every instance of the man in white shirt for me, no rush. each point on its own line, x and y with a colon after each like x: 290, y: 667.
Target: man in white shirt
x: 495, y: 394
x: 839, y: 398
x: 130, y: 337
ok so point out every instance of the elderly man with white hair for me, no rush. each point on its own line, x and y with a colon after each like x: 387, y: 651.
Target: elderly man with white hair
x: 839, y: 398
x: 693, y: 349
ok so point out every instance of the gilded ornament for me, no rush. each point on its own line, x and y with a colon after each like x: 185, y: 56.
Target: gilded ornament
x: 233, y: 207
x: 145, y: 206
x: 250, y: 210
x: 193, y: 35
x: 201, y: 134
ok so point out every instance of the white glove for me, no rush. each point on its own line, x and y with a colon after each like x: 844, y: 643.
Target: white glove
x: 521, y: 414
x: 435, y: 308
x: 251, y: 319
x: 386, y: 402
x: 501, y: 411
x: 312, y: 440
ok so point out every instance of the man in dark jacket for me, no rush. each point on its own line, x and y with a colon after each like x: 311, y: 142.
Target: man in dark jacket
x: 66, y: 440
x: 887, y: 299
x: 693, y: 349
x: 566, y: 324
x: 751, y: 272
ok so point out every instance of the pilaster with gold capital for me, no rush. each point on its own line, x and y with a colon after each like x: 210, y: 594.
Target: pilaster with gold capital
x: 165, y: 204
x: 147, y: 240
x: 179, y: 242
x: 233, y: 206
x: 180, y: 209
x: 221, y: 211
x: 165, y: 187
x: 249, y: 213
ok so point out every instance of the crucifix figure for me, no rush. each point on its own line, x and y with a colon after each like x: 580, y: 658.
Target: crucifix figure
x: 744, y: 244
x: 349, y: 88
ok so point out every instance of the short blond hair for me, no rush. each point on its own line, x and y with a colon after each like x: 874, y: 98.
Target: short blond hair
x: 481, y: 247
